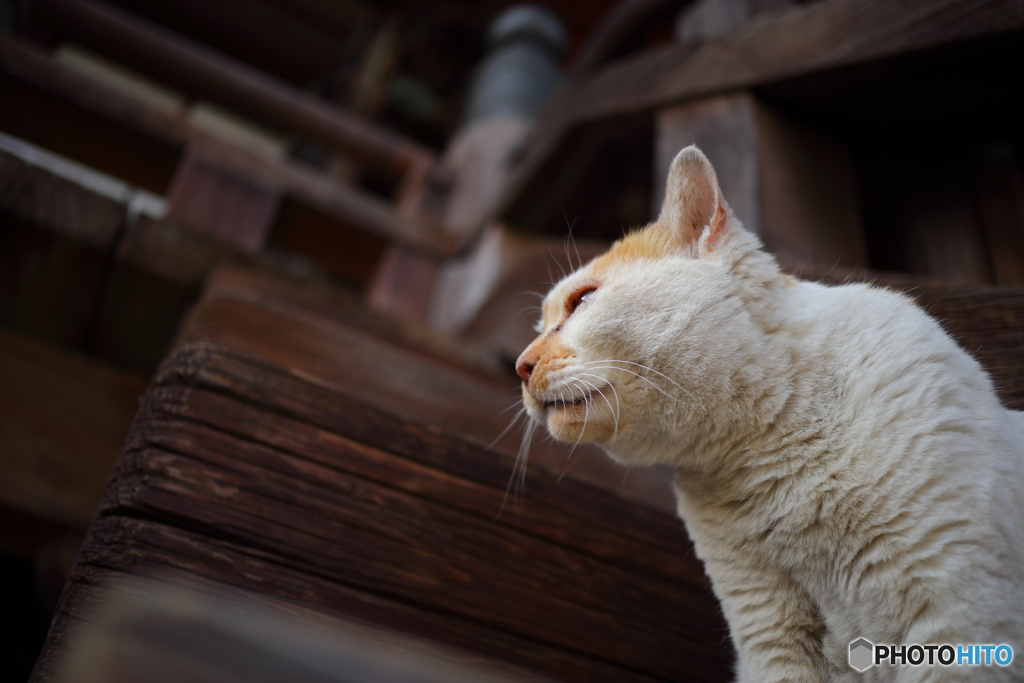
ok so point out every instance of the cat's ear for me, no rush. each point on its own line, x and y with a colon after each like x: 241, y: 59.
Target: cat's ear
x: 693, y: 203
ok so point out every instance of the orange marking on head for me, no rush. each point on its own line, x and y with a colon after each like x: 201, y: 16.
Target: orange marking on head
x: 652, y: 242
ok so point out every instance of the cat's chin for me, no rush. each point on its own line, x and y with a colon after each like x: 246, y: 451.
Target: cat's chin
x: 578, y: 423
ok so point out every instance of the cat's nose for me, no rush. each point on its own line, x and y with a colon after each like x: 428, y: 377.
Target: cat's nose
x: 524, y: 369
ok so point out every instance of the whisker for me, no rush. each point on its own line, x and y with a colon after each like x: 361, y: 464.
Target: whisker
x: 640, y: 365
x: 515, y: 419
x: 520, y: 465
x: 615, y: 411
x: 635, y: 374
x: 586, y: 416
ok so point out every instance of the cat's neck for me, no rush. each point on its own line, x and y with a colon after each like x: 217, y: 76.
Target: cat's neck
x: 775, y: 422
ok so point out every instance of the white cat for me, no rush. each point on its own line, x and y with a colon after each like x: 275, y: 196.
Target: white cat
x: 844, y: 469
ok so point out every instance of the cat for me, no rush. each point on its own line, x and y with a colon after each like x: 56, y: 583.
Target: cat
x: 843, y: 468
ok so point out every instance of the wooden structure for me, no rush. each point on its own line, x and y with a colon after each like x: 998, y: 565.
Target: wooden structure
x: 296, y: 485
x: 303, y: 449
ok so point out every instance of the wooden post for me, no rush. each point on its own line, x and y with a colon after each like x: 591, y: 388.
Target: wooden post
x: 788, y: 183
x: 222, y: 203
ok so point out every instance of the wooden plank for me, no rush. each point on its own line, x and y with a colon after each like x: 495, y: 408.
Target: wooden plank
x: 55, y: 241
x: 228, y: 370
x: 813, y: 38
x: 140, y: 625
x: 173, y: 554
x: 398, y: 368
x: 244, y: 474
x: 343, y: 202
x: 182, y: 62
x: 63, y: 419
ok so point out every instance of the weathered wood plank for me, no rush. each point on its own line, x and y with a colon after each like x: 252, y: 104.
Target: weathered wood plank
x: 400, y: 511
x: 150, y: 549
x: 387, y: 542
x: 403, y: 369
x: 813, y: 38
x: 217, y: 369
x: 140, y: 626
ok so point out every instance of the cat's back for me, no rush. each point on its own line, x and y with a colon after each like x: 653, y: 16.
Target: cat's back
x: 881, y: 346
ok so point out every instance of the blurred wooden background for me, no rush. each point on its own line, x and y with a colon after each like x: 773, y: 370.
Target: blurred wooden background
x: 366, y: 194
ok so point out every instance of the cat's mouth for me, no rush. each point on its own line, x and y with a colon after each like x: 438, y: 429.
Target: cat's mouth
x: 564, y: 403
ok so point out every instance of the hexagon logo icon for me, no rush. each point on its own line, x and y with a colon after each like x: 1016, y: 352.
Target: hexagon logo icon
x: 860, y: 654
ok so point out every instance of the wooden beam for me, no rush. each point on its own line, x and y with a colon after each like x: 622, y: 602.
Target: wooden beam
x: 62, y: 421
x: 621, y: 28
x: 814, y: 38
x: 343, y: 202
x: 199, y: 70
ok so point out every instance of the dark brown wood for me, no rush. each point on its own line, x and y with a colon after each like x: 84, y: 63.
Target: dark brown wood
x: 243, y: 473
x: 816, y: 37
x: 403, y: 285
x: 403, y: 369
x: 318, y: 190
x: 55, y: 240
x: 621, y: 28
x: 155, y: 274
x: 63, y: 418
x: 198, y: 70
x: 146, y: 631
x: 223, y: 204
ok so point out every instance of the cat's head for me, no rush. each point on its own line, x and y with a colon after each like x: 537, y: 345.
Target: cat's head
x: 647, y: 340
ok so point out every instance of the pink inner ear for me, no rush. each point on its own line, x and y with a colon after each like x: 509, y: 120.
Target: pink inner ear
x: 717, y: 226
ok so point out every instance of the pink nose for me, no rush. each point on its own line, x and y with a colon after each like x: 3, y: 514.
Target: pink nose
x: 524, y: 369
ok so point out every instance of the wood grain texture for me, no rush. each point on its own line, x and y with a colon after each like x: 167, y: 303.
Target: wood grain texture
x: 813, y: 38
x: 243, y: 473
x: 399, y: 368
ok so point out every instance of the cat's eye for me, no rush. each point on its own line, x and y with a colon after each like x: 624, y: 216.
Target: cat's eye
x: 579, y: 297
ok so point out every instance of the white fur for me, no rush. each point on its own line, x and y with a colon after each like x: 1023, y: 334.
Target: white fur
x: 844, y: 469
